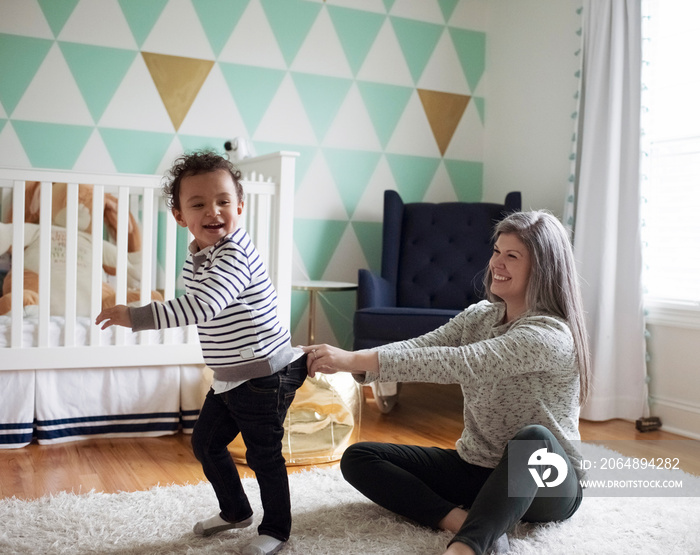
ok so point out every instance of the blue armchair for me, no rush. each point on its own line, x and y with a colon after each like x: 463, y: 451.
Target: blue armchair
x: 433, y: 259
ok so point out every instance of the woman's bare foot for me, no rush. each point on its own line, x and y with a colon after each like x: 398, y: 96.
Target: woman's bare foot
x: 453, y: 520
x: 458, y: 548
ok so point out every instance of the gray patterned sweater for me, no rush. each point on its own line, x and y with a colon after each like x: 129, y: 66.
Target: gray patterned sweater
x: 512, y: 375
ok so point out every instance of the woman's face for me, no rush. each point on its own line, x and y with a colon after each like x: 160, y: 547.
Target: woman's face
x: 510, y: 269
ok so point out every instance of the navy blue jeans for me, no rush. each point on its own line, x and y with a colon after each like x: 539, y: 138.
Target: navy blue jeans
x: 425, y: 483
x: 256, y: 410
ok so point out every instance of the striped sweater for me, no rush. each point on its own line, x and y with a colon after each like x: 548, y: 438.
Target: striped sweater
x: 229, y: 296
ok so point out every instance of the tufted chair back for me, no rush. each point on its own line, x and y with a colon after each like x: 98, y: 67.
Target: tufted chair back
x: 433, y: 259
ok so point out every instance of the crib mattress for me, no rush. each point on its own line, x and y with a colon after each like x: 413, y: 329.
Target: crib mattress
x: 67, y: 404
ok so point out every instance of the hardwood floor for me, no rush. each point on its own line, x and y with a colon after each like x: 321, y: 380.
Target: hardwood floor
x: 427, y: 414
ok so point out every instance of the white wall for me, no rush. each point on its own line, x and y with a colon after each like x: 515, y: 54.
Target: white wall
x: 529, y: 102
x: 531, y: 82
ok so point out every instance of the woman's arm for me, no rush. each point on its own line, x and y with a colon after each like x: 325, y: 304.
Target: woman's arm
x: 327, y: 359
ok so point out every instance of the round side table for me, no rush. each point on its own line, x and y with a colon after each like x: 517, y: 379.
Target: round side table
x: 314, y: 287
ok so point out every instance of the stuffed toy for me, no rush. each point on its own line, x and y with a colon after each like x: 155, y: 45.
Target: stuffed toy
x: 58, y: 250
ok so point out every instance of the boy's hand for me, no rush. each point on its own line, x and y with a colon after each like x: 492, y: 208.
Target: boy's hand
x: 118, y: 315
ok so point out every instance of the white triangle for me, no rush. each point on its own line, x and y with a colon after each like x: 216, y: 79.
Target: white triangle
x: 178, y: 32
x: 12, y: 154
x: 136, y: 104
x: 441, y: 189
x: 413, y: 135
x: 385, y: 62
x: 53, y: 96
x: 347, y: 257
x: 98, y: 23
x: 321, y: 51
x: 444, y: 71
x: 24, y: 17
x: 352, y: 127
x: 285, y: 120
x: 470, y: 15
x: 174, y: 151
x: 214, y: 113
x: 252, y: 42
x: 371, y: 205
x: 428, y: 12
x: 468, y: 140
x: 317, y: 197
x: 95, y: 156
x: 376, y: 6
x: 481, y: 86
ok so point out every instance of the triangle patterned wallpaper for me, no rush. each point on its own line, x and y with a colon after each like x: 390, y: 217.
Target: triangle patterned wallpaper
x: 374, y: 94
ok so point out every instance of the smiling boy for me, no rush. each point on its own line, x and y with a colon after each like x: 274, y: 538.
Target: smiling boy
x: 229, y: 296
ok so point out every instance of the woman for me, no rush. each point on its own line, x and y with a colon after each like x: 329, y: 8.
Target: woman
x: 522, y: 360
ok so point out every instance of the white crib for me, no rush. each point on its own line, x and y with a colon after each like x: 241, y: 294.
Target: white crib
x: 61, y: 377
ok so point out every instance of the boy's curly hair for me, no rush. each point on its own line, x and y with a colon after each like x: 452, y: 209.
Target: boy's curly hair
x: 196, y: 163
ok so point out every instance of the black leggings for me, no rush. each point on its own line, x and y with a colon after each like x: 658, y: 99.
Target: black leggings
x: 425, y: 483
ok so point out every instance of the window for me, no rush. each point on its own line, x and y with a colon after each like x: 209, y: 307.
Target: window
x: 671, y: 160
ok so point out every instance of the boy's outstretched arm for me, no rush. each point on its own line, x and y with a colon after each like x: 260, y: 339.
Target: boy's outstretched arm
x: 118, y: 315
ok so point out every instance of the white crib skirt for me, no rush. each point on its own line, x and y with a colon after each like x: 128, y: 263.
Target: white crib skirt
x: 73, y: 404
x: 17, y: 410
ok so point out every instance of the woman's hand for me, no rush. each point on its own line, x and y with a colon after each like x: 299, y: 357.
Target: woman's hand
x: 118, y: 315
x: 327, y: 359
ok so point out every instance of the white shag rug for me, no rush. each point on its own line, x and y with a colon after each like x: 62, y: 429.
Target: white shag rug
x: 330, y: 517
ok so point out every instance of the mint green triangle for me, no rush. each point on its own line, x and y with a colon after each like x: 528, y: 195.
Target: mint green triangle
x: 57, y: 13
x: 417, y: 40
x: 300, y: 300
x: 322, y: 97
x: 219, y: 18
x: 447, y: 7
x: 385, y: 104
x: 252, y: 88
x: 388, y: 4
x: 291, y: 21
x: 413, y: 175
x: 356, y: 30
x: 136, y: 151
x: 51, y: 145
x: 471, y: 51
x: 98, y: 71
x: 303, y: 161
x: 20, y: 58
x: 317, y: 241
x: 142, y: 16
x: 191, y: 143
x: 369, y: 235
x: 339, y: 307
x: 479, y: 103
x: 467, y: 179
x: 351, y: 170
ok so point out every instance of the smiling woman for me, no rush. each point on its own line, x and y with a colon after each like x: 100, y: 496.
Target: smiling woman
x: 510, y: 268
x: 521, y: 359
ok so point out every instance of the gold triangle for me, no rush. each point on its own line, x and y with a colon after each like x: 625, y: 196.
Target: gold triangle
x: 178, y: 81
x: 444, y: 110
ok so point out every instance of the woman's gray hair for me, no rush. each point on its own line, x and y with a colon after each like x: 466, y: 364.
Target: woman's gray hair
x: 553, y: 287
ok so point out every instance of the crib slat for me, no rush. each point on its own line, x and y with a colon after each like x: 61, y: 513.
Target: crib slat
x: 45, y: 266
x: 71, y: 292
x: 170, y: 270
x: 18, y: 263
x: 122, y: 255
x: 147, y: 228
x: 98, y: 199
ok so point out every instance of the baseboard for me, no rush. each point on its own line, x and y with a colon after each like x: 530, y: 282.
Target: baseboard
x: 678, y: 417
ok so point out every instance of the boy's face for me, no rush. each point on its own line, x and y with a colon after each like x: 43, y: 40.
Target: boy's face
x: 209, y: 206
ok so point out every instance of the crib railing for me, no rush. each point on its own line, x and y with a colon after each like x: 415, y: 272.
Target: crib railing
x: 268, y: 217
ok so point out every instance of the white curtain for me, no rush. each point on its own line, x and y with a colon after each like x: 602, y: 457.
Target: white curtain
x: 607, y: 240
